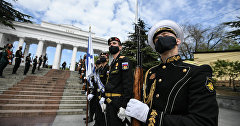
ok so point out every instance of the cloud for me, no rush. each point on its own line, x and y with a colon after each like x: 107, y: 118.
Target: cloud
x: 35, y: 5
x: 116, y: 17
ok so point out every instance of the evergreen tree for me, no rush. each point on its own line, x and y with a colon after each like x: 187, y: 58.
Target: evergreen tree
x: 236, y: 32
x: 149, y: 58
x: 9, y: 14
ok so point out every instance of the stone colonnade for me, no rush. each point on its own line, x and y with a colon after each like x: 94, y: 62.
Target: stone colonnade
x: 41, y: 50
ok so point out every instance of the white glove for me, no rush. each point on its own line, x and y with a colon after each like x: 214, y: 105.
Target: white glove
x: 121, y: 114
x: 137, y: 109
x: 90, y: 96
x: 101, y: 101
x: 103, y: 106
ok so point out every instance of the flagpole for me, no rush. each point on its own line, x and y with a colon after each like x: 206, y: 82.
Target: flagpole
x: 87, y: 82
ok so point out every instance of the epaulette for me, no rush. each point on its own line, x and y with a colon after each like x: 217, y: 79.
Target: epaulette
x: 121, y: 57
x: 192, y: 62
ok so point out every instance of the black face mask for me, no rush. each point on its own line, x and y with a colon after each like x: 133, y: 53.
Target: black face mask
x: 113, y: 49
x: 103, y: 59
x: 164, y: 44
x: 9, y: 47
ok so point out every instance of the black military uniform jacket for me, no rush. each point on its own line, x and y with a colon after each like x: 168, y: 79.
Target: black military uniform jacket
x: 120, y: 79
x: 18, y: 54
x: 28, y: 60
x: 34, y: 61
x: 103, y: 74
x: 180, y: 94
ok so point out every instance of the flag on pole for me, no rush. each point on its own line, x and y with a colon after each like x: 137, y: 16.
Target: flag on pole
x: 90, y: 59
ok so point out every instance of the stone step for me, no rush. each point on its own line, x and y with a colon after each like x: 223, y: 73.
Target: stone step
x: 6, y: 96
x: 28, y: 101
x: 28, y: 106
x: 36, y: 89
x: 40, y: 101
x: 73, y: 101
x: 72, y: 106
x: 33, y: 93
x: 71, y: 112
x: 40, y: 106
x: 27, y: 113
x: 38, y: 86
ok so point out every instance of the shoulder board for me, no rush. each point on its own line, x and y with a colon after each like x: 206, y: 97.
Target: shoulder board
x: 121, y: 57
x: 192, y: 63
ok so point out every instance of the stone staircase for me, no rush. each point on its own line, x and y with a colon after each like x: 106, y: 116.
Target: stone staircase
x: 73, y: 100
x: 36, y: 99
x: 34, y: 95
x: 12, y: 79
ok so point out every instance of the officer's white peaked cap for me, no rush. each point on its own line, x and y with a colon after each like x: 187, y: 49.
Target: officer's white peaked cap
x: 177, y: 29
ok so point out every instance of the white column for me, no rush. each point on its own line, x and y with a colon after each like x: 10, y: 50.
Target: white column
x: 57, y: 56
x: 39, y: 48
x: 26, y: 51
x: 2, y: 43
x: 21, y: 41
x: 60, y: 57
x: 73, y: 61
x: 44, y: 50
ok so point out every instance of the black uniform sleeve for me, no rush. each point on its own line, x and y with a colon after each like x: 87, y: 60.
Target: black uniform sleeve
x: 202, y: 107
x: 127, y: 80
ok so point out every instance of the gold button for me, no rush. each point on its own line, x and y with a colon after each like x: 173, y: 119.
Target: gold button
x: 150, y: 72
x: 160, y: 80
x: 157, y: 95
x: 164, y: 67
x: 184, y: 70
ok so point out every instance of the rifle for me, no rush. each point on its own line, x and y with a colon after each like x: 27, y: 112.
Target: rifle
x: 86, y: 82
x: 138, y: 74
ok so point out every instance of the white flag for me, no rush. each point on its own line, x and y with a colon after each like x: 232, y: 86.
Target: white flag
x: 90, y: 59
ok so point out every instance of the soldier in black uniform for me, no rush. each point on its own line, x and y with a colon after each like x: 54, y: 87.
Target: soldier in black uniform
x: 64, y: 65
x: 119, y: 85
x: 34, y: 64
x: 27, y: 63
x: 105, y: 67
x: 6, y: 55
x: 18, y: 59
x: 92, y: 96
x: 40, y: 62
x: 175, y: 93
x: 102, y: 72
x: 45, y: 60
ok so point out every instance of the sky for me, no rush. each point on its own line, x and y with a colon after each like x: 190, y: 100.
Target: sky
x: 116, y: 17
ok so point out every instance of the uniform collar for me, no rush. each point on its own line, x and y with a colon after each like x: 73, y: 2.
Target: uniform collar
x: 173, y: 59
x: 115, y: 60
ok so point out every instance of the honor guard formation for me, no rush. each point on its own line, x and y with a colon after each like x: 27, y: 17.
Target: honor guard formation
x: 174, y: 93
x: 6, y: 57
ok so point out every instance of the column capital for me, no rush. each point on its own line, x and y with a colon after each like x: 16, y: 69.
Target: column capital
x: 59, y: 42
x: 40, y: 39
x: 20, y: 36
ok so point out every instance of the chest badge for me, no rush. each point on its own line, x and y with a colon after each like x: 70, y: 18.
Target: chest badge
x: 209, y: 85
x: 116, y: 66
x: 125, y: 65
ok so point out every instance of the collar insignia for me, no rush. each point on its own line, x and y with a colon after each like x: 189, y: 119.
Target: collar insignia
x: 173, y: 58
